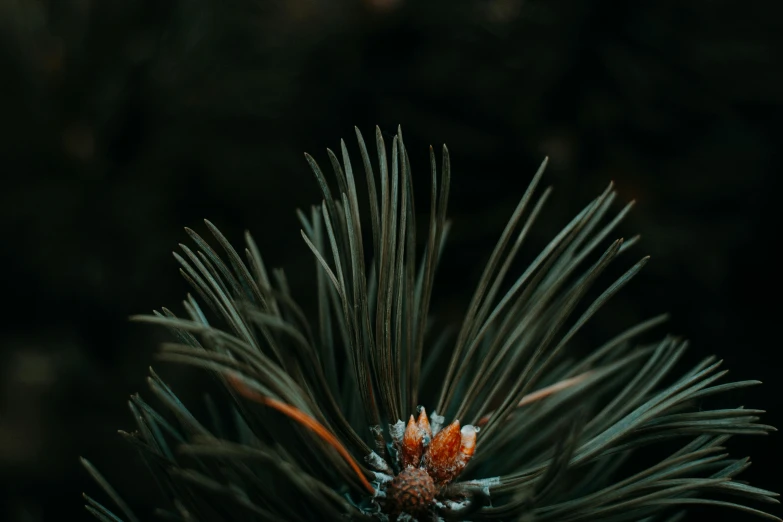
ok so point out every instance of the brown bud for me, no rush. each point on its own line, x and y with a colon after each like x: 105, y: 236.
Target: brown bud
x: 411, y: 492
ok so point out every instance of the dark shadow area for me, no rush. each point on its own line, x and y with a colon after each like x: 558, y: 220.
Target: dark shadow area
x: 123, y: 122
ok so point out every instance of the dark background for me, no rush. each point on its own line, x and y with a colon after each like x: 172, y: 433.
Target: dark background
x: 123, y: 121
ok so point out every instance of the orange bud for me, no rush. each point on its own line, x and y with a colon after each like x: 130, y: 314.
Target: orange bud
x: 412, y: 445
x: 424, y: 425
x: 441, y: 456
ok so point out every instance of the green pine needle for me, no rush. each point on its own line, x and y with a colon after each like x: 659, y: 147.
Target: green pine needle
x: 309, y: 424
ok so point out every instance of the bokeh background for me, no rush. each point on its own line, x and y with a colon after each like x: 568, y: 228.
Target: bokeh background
x: 122, y: 121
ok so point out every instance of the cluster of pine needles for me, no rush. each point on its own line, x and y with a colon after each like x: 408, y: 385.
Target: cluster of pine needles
x: 308, y: 406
